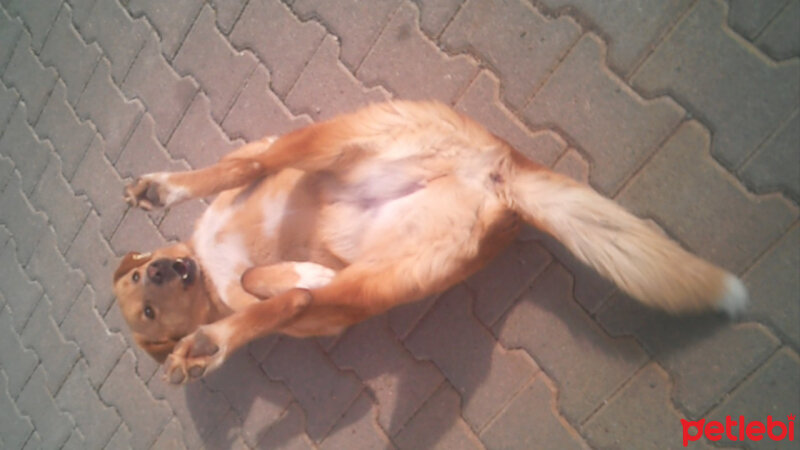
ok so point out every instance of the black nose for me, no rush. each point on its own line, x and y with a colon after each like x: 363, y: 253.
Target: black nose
x: 160, y: 271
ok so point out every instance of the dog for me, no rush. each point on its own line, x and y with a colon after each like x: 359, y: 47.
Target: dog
x: 326, y: 226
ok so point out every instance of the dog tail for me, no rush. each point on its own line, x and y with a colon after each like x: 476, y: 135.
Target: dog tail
x: 623, y: 248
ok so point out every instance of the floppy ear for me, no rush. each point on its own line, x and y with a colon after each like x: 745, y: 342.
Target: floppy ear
x: 129, y: 261
x: 159, y: 350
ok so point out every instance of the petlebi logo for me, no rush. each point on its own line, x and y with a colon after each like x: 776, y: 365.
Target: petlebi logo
x: 738, y: 430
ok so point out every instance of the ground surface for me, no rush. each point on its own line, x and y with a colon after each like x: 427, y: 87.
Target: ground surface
x: 684, y: 111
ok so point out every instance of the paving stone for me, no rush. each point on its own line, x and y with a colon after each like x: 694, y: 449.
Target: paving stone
x: 72, y: 58
x: 573, y: 165
x: 125, y: 391
x: 289, y: 432
x: 404, y: 318
x: 259, y: 401
x: 81, y: 10
x: 120, y: 36
x: 290, y: 45
x: 707, y: 210
x: 146, y: 366
x: 144, y: 153
x: 497, y: 286
x: 438, y: 424
x: 18, y: 362
x: 548, y: 310
x: 411, y: 66
x: 136, y: 233
x: 8, y: 104
x: 171, y: 437
x: 171, y: 23
x: 324, y: 76
x: 323, y: 392
x: 434, y: 15
x: 179, y: 221
x: 26, y: 73
x: 743, y: 107
x: 770, y: 391
x: 775, y: 287
x: 639, y: 415
x: 99, y: 347
x: 10, y: 30
x: 96, y: 420
x: 96, y: 178
x: 60, y: 125
x: 14, y: 426
x: 34, y: 442
x: 357, y: 24
x: 227, y: 11
x: 358, y: 428
x: 527, y: 422
x: 499, y: 32
x: 103, y: 103
x: 38, y: 16
x: 165, y: 93
x: 781, y: 39
x: 75, y: 441
x: 750, y: 18
x: 25, y: 225
x: 208, y: 56
x: 54, y: 196
x: 20, y: 143
x: 774, y: 167
x: 485, y: 375
x: 56, y: 355
x: 37, y: 402
x: 91, y: 254
x: 577, y: 98
x: 482, y: 102
x: 198, y: 139
x: 20, y: 292
x: 258, y: 112
x: 61, y: 282
x: 399, y: 383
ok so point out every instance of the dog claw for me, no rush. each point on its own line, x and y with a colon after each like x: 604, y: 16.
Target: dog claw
x: 193, y: 357
x: 196, y: 371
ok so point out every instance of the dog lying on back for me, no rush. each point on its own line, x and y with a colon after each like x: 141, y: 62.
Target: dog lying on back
x: 326, y: 226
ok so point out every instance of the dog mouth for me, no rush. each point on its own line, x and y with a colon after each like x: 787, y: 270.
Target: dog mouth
x: 186, y: 269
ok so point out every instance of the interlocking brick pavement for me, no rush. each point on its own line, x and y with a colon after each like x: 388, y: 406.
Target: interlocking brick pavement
x: 685, y: 111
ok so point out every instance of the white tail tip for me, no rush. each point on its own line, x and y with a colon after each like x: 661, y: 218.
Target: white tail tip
x: 734, y: 299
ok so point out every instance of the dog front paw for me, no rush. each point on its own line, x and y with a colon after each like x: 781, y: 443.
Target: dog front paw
x: 152, y: 191
x: 195, y: 355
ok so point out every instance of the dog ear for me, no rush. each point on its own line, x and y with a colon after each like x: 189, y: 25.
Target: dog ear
x: 159, y: 350
x: 129, y: 261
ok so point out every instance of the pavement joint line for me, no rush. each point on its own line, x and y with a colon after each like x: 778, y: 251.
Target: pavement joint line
x: 738, y: 170
x: 787, y: 4
x: 613, y: 394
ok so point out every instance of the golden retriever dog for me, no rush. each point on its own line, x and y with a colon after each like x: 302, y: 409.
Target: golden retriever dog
x: 321, y: 228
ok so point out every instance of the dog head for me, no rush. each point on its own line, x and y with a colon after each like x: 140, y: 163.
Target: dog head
x: 162, y: 297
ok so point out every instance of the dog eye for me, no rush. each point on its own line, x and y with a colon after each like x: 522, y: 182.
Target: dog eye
x: 149, y: 313
x: 135, y: 277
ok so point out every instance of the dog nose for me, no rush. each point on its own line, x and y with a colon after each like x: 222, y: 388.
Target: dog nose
x: 159, y: 271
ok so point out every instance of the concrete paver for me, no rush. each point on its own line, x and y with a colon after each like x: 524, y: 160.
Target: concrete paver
x: 535, y: 351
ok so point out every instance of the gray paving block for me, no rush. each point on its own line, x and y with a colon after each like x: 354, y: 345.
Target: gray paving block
x: 81, y: 10
x: 21, y: 293
x: 356, y: 24
x: 404, y: 61
x: 403, y: 318
x: 500, y: 32
x: 744, y: 106
x: 21, y: 144
x: 776, y: 165
x: 100, y: 348
x: 291, y: 42
x: 481, y: 102
x: 775, y: 287
x: 25, y: 224
x: 289, y: 432
x: 258, y: 112
x: 358, y: 428
x: 76, y: 441
x: 18, y: 362
x: 61, y: 282
x: 179, y: 221
x: 171, y: 437
x: 171, y: 23
x: 207, y: 56
x: 54, y: 196
x: 527, y: 422
x: 104, y: 104
x: 15, y: 427
x: 695, y: 200
x: 573, y: 165
x: 144, y: 153
x: 578, y: 98
x: 96, y: 420
x: 122, y: 438
x: 145, y: 415
x: 399, y: 383
x: 485, y: 374
x: 323, y: 392
x: 198, y: 139
x: 630, y: 28
x: 27, y: 74
x: 36, y: 401
x: 136, y: 233
x: 438, y: 424
x: 573, y: 342
x: 324, y: 74
x: 72, y: 58
x: 91, y: 254
x: 69, y: 135
x: 227, y: 11
x: 56, y: 355
x: 38, y: 16
x: 781, y: 39
x: 164, y: 93
x: 8, y: 104
x: 434, y: 15
x: 10, y: 30
x: 146, y: 366
x: 750, y: 18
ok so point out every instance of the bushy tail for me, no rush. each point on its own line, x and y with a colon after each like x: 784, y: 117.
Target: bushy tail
x: 641, y: 261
